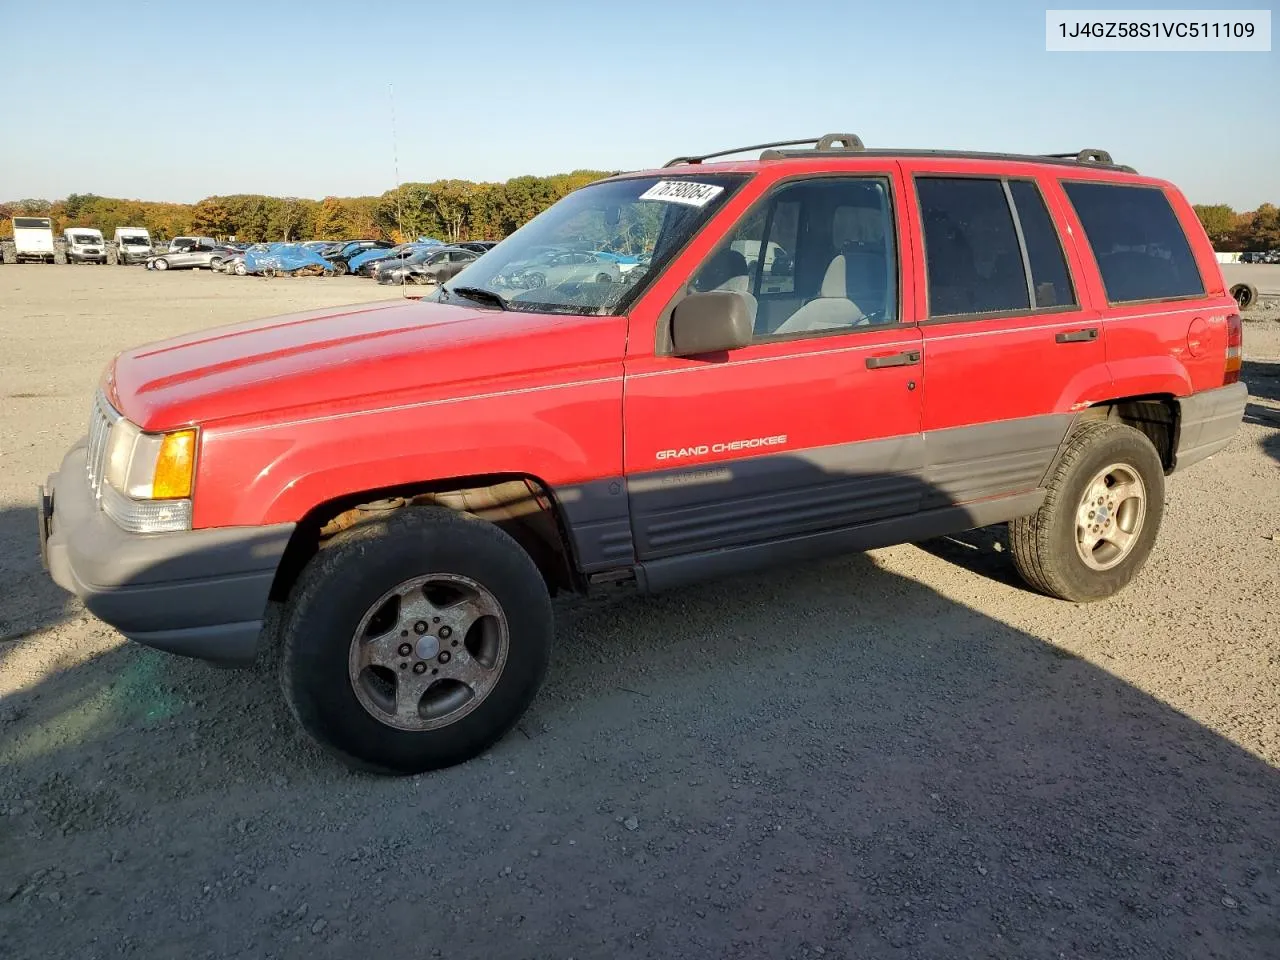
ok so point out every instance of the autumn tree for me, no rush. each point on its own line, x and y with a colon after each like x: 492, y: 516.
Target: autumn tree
x: 1218, y: 220
x: 211, y: 216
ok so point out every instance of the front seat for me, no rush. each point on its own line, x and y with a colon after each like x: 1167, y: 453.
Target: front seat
x: 832, y: 307
x: 727, y: 270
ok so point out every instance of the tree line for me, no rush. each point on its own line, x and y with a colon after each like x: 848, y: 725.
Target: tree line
x: 450, y: 210
x: 1257, y: 230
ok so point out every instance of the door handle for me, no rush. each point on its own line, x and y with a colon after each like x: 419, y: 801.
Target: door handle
x: 905, y: 359
x: 1087, y: 335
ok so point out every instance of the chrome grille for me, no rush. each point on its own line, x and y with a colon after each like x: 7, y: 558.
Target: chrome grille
x: 101, y: 419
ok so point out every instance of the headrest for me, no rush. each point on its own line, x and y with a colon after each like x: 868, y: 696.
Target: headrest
x: 834, y: 283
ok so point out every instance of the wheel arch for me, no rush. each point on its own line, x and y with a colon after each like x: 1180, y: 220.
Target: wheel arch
x: 521, y: 504
x: 1158, y: 416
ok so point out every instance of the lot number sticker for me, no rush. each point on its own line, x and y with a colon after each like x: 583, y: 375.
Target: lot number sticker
x: 682, y: 191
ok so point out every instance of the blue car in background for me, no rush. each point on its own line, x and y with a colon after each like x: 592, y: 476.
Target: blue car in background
x: 626, y: 263
x: 362, y: 263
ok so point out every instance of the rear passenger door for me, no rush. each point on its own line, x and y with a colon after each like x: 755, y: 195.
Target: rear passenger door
x: 1166, y: 316
x: 815, y: 425
x: 1009, y: 349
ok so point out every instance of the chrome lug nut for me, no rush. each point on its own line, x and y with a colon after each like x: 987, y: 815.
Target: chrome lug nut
x: 420, y: 627
x: 405, y: 649
x: 419, y: 667
x: 446, y: 633
x: 445, y: 656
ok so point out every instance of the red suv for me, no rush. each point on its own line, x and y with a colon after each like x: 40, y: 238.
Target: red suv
x: 825, y: 349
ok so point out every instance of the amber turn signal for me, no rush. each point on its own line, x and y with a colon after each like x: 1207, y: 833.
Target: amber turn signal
x: 174, y: 466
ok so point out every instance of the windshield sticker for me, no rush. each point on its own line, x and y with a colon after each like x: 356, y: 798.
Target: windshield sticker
x: 682, y: 191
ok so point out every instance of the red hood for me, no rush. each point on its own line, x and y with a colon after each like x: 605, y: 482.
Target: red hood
x: 364, y: 356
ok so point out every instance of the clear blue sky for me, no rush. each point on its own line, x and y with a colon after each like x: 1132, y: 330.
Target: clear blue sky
x: 177, y: 101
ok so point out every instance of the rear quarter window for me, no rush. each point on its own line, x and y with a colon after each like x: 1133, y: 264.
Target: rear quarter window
x: 1140, y: 247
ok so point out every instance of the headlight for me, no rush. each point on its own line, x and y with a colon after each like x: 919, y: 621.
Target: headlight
x: 149, y: 477
x: 150, y: 466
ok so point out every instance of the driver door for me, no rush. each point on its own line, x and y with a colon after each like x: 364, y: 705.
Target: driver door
x: 802, y: 431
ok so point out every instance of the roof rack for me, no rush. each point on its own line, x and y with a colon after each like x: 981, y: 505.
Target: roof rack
x: 826, y: 144
x: 851, y: 143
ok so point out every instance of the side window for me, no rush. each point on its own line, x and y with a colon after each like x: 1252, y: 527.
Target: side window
x: 1049, y: 277
x: 815, y: 256
x: 972, y: 258
x: 1141, y: 249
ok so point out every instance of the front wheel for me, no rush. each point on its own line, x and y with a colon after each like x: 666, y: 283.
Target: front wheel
x: 415, y: 641
x: 161, y: 264
x: 1100, y: 516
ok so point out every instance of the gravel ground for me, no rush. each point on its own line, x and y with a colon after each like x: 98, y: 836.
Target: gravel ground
x: 899, y: 754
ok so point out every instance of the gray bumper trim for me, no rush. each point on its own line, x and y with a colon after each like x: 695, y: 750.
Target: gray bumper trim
x: 201, y: 593
x: 1207, y: 422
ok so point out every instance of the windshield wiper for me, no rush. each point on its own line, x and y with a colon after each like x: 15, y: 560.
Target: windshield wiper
x: 480, y: 294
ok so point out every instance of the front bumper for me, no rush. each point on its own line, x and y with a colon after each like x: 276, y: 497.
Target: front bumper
x: 199, y: 593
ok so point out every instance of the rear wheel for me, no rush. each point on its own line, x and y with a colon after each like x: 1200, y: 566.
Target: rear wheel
x: 1100, y: 516
x: 416, y: 641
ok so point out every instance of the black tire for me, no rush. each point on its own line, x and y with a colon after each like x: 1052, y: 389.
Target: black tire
x: 1044, y: 544
x: 339, y: 267
x: 1244, y: 295
x: 347, y: 577
x: 603, y: 278
x: 215, y: 264
x: 160, y: 264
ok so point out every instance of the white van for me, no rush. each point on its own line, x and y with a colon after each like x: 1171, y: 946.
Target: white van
x: 33, y: 239
x: 85, y: 245
x: 133, y: 245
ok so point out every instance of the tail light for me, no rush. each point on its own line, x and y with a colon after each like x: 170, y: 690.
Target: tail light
x: 1235, y: 340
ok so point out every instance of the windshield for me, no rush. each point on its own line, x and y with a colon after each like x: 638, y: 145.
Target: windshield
x: 85, y: 238
x: 134, y: 241
x: 565, y: 259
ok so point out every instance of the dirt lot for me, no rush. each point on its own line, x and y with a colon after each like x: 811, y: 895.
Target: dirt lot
x: 900, y: 754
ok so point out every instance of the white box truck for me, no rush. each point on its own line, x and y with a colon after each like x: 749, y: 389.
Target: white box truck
x: 33, y: 239
x: 133, y: 245
x: 85, y: 245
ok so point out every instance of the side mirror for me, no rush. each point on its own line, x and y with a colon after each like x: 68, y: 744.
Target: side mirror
x: 711, y: 322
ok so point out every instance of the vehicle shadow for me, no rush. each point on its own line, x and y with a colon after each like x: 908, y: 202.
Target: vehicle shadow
x: 826, y: 755
x: 1262, y: 377
x: 29, y: 600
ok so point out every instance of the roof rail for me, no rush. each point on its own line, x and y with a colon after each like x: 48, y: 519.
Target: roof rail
x: 1087, y: 155
x: 852, y: 143
x: 828, y: 143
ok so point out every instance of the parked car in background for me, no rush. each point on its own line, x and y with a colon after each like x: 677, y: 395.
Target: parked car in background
x: 479, y: 246
x: 183, y: 243
x: 429, y: 265
x: 85, y: 245
x: 207, y: 256
x: 626, y: 263
x: 555, y: 267
x: 33, y: 239
x: 133, y: 245
x: 363, y: 263
x: 341, y: 254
